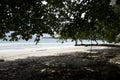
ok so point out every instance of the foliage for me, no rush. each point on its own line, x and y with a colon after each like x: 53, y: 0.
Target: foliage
x: 74, y: 19
x: 99, y: 22
x: 22, y: 19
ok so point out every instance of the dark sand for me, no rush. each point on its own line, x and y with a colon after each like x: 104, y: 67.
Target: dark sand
x: 73, y: 66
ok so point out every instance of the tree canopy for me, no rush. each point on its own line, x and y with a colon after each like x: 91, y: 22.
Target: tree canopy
x: 74, y: 19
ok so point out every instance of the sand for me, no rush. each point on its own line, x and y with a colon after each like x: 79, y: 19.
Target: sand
x: 60, y: 63
x: 38, y: 52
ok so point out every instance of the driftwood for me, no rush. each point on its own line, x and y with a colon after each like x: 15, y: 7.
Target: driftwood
x: 108, y: 45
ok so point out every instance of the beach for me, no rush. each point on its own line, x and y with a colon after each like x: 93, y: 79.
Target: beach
x: 58, y: 63
x: 13, y: 54
x: 46, y: 47
x: 50, y: 47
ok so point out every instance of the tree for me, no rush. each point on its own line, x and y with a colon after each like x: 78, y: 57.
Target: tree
x: 100, y: 21
x: 74, y: 19
x: 23, y: 18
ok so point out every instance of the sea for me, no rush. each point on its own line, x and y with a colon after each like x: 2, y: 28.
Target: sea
x: 44, y: 43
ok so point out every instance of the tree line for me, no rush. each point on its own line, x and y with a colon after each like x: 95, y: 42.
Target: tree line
x: 70, y: 19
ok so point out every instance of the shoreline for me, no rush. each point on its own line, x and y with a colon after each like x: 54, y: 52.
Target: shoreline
x: 38, y: 52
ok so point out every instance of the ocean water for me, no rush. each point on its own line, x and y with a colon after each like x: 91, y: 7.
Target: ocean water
x: 43, y: 44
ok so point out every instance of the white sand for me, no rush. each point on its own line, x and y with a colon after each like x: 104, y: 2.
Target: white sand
x: 19, y: 54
